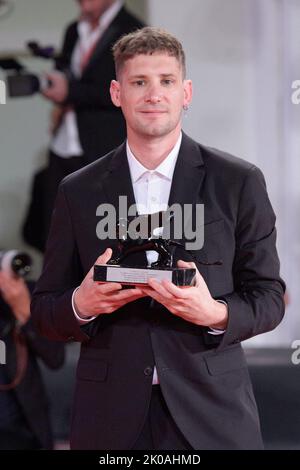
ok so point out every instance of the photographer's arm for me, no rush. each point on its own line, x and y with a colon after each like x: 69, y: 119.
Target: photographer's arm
x: 16, y: 294
x: 76, y: 93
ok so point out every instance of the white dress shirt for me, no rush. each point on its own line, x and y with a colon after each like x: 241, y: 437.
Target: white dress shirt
x: 152, y: 187
x: 65, y: 142
x: 151, y: 191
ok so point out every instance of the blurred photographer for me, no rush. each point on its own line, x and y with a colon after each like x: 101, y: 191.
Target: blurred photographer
x: 24, y: 419
x: 85, y: 124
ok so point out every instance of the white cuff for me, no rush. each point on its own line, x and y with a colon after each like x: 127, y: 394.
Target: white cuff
x: 216, y: 331
x: 79, y: 318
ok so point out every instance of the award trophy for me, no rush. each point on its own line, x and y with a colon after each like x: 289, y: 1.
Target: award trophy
x: 161, y: 269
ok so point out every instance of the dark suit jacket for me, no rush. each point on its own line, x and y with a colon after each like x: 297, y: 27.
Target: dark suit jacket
x: 101, y: 125
x: 204, y: 378
x: 30, y: 394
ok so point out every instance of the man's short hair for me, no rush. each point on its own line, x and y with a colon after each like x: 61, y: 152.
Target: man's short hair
x: 148, y: 41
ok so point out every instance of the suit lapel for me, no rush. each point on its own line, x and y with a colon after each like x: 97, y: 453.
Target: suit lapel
x: 63, y: 59
x: 118, y: 183
x: 187, y: 185
x: 102, y: 44
x: 188, y: 175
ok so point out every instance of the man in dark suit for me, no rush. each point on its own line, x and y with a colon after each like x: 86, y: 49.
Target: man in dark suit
x: 84, y: 122
x: 24, y: 408
x: 162, y: 367
x: 87, y: 64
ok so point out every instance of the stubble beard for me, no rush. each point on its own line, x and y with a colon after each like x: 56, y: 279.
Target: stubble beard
x: 156, y: 129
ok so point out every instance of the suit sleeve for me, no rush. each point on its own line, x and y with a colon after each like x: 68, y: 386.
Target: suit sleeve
x: 51, y: 305
x: 62, y: 61
x: 256, y: 305
x: 50, y: 352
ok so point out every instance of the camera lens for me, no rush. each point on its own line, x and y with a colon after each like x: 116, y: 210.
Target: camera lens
x: 15, y: 262
x: 21, y: 264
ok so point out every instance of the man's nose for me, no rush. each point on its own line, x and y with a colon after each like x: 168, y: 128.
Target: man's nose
x: 153, y: 95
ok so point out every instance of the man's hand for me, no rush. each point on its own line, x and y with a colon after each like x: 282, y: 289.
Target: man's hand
x: 59, y: 88
x: 16, y: 294
x: 193, y: 304
x: 92, y: 298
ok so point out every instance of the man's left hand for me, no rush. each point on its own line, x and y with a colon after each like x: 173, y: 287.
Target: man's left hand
x: 59, y: 88
x: 193, y: 304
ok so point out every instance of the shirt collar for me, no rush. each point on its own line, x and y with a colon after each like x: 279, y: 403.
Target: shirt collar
x: 104, y: 21
x: 165, y: 169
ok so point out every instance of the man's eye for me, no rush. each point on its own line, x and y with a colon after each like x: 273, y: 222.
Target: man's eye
x: 139, y: 82
x: 167, y: 81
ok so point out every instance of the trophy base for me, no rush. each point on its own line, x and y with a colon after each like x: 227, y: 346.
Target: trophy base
x: 139, y: 276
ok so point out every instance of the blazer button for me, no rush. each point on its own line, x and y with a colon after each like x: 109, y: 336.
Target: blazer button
x: 148, y: 370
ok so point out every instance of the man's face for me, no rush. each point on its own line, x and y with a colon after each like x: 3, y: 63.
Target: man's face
x: 91, y: 10
x: 151, y: 92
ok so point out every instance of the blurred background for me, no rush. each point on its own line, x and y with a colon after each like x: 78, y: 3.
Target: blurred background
x: 242, y: 56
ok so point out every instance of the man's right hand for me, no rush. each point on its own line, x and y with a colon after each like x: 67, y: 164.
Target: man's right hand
x: 59, y: 88
x: 93, y: 299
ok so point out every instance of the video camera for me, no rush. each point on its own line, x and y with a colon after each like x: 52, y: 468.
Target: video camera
x: 15, y: 263
x: 23, y: 83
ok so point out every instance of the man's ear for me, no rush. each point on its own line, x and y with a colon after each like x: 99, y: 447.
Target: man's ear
x: 188, y: 92
x: 115, y: 93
